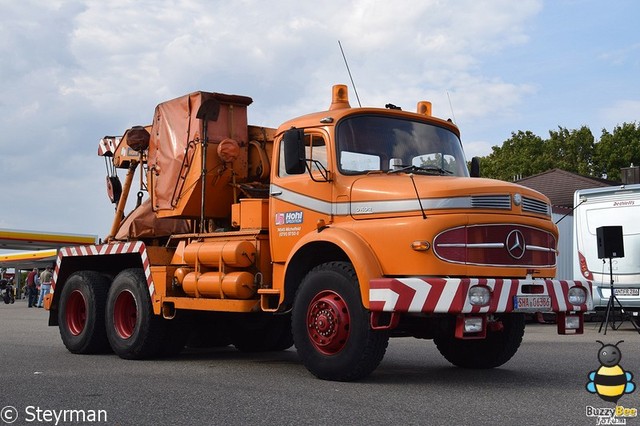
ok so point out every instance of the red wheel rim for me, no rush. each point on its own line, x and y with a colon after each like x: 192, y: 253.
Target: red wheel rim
x: 328, y: 322
x: 76, y: 313
x: 125, y: 314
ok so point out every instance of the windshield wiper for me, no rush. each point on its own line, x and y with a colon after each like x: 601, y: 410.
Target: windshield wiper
x: 418, y: 169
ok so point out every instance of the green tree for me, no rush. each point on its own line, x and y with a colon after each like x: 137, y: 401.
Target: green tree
x: 570, y: 150
x: 519, y: 156
x: 618, y: 149
x: 526, y: 154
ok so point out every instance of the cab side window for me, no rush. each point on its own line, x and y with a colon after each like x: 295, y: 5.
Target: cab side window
x: 315, y: 149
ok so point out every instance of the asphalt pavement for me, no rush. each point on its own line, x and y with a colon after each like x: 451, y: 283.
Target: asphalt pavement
x: 41, y: 383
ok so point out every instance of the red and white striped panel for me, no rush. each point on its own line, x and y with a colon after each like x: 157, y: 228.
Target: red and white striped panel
x: 105, y: 250
x: 107, y: 146
x: 449, y: 295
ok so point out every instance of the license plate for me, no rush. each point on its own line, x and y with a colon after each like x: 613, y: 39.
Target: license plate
x: 626, y: 291
x: 532, y: 303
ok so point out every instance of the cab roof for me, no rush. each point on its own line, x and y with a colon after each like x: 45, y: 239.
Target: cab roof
x: 341, y: 108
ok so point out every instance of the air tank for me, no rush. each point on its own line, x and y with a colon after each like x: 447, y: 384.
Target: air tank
x: 237, y: 254
x: 233, y: 285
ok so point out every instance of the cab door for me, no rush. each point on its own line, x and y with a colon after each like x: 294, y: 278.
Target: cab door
x: 300, y: 198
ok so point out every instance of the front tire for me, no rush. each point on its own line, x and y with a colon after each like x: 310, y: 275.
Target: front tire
x: 331, y: 327
x: 133, y: 330
x: 81, y: 313
x: 493, y: 351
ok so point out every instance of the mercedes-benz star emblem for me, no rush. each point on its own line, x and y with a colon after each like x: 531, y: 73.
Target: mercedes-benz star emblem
x: 516, y: 246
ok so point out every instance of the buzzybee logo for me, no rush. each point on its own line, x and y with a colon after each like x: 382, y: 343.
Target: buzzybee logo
x: 610, y: 382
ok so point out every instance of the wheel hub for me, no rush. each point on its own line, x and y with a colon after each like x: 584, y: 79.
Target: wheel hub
x: 125, y: 314
x: 328, y: 322
x: 76, y: 314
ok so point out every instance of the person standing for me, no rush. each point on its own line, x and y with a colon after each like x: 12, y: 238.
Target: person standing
x: 45, y: 284
x: 32, y: 289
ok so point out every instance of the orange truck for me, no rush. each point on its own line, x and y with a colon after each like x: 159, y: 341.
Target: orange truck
x: 334, y: 232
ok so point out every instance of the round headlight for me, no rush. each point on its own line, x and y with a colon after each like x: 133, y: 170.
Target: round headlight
x: 479, y: 295
x: 577, y: 295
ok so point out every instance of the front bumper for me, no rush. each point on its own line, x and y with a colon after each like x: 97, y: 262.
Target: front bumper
x: 451, y: 296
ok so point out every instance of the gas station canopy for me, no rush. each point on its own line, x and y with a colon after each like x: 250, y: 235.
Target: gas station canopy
x: 43, y: 247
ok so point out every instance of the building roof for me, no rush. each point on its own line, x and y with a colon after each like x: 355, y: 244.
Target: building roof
x: 560, y: 185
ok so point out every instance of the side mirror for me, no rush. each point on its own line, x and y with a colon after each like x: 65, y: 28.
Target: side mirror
x: 294, y: 156
x: 475, y: 167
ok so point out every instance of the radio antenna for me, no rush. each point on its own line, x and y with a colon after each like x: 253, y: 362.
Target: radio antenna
x: 451, y: 108
x: 349, y: 71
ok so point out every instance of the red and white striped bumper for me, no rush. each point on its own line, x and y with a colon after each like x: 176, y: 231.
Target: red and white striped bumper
x: 450, y: 295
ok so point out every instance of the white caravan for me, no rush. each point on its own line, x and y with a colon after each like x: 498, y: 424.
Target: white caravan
x: 610, y: 206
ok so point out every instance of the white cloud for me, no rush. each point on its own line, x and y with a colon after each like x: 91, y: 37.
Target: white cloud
x: 623, y: 55
x: 256, y: 46
x: 621, y: 111
x: 75, y: 71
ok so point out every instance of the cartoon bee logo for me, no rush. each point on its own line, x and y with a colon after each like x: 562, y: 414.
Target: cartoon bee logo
x: 610, y: 381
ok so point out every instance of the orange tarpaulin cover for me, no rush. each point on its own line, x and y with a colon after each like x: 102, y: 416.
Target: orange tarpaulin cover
x: 143, y: 223
x: 175, y: 155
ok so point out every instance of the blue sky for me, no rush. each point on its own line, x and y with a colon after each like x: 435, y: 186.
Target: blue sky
x: 74, y: 71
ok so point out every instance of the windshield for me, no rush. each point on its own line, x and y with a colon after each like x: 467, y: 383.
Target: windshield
x: 380, y: 143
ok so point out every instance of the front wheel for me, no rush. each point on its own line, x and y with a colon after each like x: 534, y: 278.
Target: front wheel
x: 493, y: 351
x: 133, y: 330
x: 331, y: 327
x: 81, y: 313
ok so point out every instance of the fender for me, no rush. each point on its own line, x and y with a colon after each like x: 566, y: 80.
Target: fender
x: 108, y: 259
x: 359, y: 252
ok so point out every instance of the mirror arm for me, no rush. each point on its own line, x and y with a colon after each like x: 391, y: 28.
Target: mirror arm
x: 323, y: 171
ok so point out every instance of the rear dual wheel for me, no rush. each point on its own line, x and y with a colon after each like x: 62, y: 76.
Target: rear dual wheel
x: 81, y: 313
x: 133, y: 330
x: 95, y: 317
